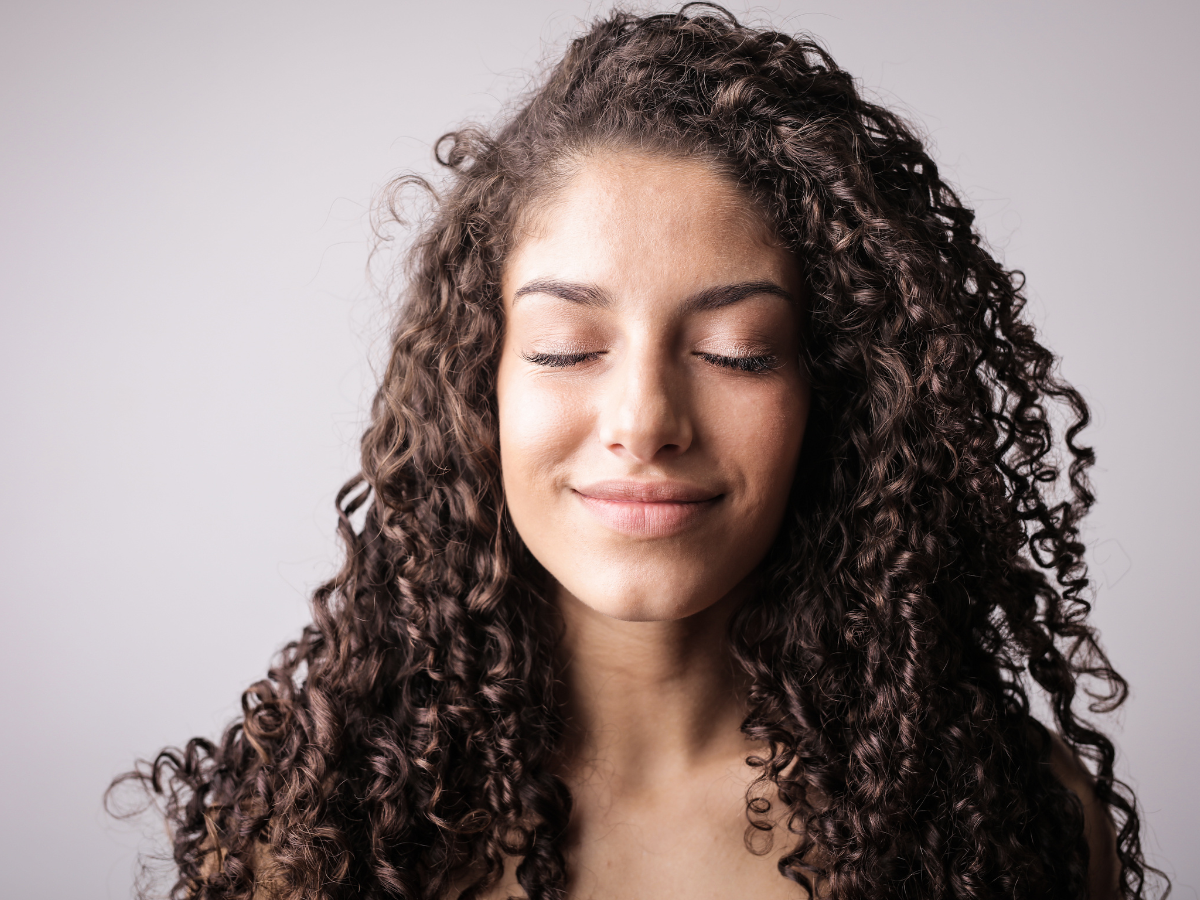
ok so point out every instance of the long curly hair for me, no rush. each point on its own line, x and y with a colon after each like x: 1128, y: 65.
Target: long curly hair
x: 928, y: 575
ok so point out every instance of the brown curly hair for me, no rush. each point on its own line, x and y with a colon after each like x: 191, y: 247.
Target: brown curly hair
x: 928, y: 573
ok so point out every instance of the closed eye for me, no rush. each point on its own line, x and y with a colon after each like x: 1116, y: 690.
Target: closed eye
x: 750, y: 363
x: 560, y: 360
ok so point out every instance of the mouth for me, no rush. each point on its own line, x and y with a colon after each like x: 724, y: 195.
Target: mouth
x: 647, y: 509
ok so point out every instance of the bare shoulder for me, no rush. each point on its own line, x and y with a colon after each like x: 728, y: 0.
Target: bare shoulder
x: 1104, y: 868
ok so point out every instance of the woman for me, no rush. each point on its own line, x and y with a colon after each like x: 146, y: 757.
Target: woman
x: 711, y: 532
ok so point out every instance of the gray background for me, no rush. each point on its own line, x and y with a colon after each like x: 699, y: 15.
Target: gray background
x: 187, y: 327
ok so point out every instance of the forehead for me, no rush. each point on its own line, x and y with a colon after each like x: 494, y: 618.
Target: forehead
x: 635, y: 220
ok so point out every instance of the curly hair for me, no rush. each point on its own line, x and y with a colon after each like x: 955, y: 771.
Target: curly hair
x: 929, y: 572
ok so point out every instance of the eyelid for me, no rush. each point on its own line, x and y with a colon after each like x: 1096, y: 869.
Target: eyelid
x: 736, y: 348
x: 745, y: 362
x: 741, y: 357
x: 561, y: 360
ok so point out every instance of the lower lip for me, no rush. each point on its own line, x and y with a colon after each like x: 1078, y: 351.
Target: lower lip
x: 649, y: 520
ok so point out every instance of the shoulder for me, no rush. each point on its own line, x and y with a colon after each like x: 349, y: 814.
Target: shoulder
x: 1104, y: 868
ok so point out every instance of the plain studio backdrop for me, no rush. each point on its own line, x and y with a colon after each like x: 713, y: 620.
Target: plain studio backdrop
x: 189, y: 337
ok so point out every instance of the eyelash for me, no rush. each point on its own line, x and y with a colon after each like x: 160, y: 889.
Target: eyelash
x: 752, y: 364
x: 560, y: 360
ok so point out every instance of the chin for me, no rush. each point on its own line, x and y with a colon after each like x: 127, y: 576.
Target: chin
x: 661, y: 599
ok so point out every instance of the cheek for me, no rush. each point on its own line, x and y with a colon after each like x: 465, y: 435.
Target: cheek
x: 540, y: 428
x: 764, y: 430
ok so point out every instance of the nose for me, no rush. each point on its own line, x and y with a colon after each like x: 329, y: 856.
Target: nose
x: 645, y: 415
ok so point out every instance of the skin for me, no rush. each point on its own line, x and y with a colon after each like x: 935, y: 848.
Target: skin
x: 615, y: 367
x: 611, y: 369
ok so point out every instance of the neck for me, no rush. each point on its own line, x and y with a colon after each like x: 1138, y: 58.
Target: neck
x: 651, y: 701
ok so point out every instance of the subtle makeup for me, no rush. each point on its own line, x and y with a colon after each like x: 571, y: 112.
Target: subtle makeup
x: 651, y: 397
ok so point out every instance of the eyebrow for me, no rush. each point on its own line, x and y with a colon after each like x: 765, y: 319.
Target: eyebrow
x: 708, y: 299
x: 583, y: 294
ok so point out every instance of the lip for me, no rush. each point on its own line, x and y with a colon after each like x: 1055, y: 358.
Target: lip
x: 647, y: 508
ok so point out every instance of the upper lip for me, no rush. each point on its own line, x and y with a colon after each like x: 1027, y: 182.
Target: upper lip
x: 631, y: 491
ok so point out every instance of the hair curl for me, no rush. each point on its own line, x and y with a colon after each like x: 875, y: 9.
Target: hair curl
x: 930, y: 559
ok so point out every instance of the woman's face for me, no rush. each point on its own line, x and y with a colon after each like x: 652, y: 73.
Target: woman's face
x: 651, y: 397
